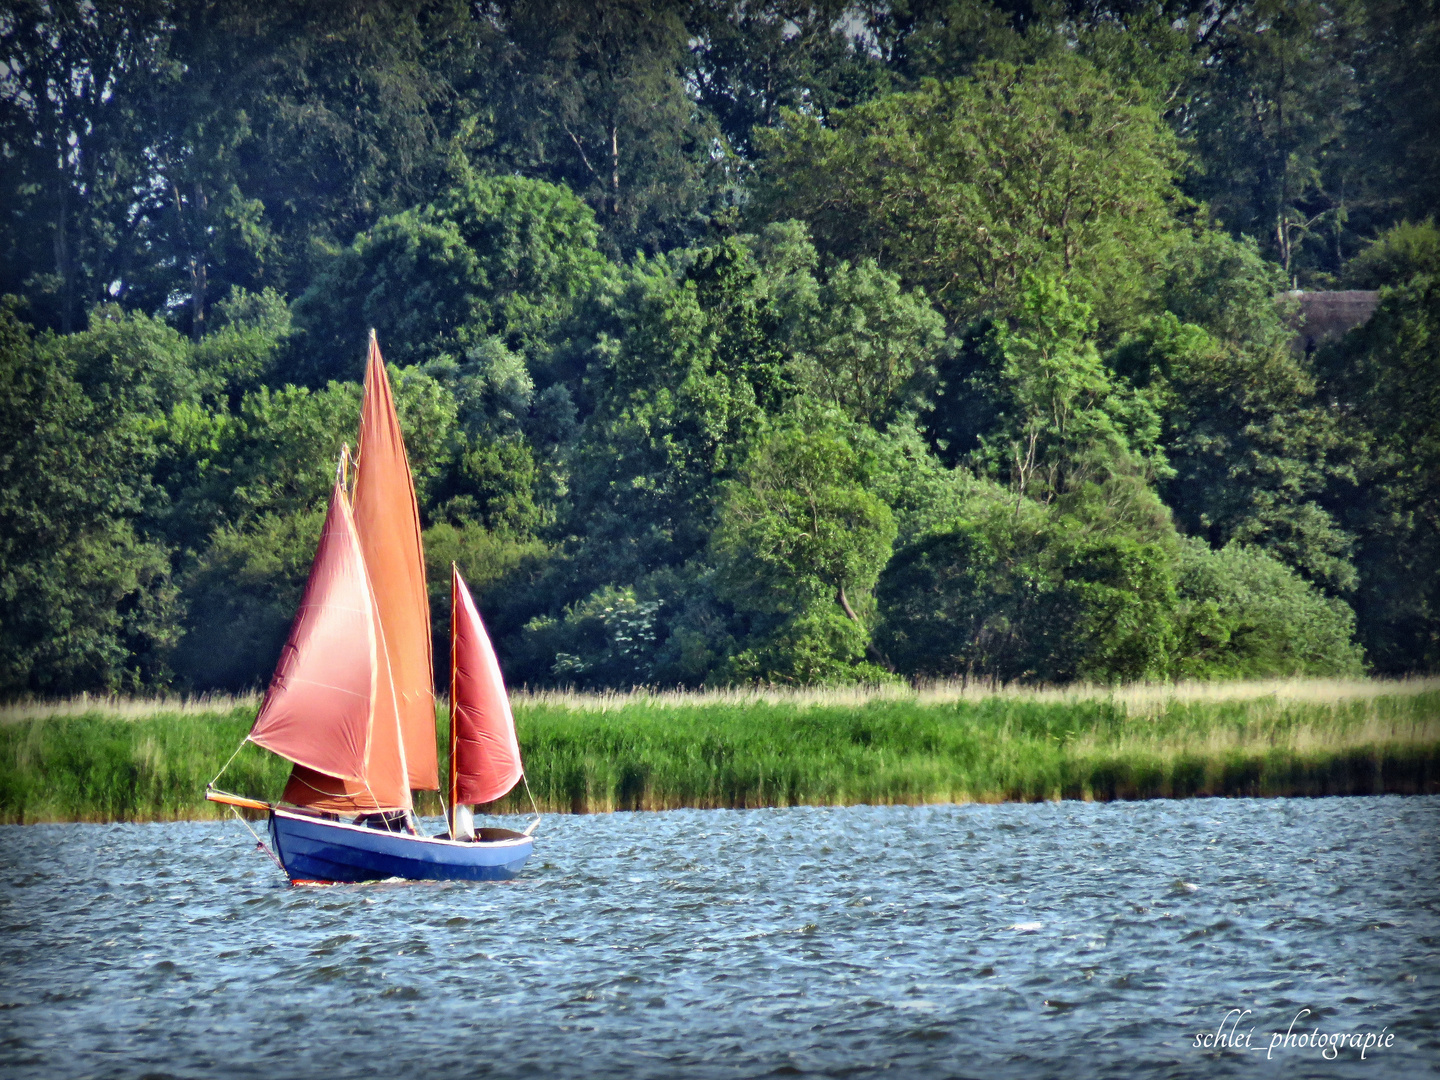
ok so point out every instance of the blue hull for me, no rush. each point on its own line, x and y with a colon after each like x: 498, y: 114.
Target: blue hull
x: 313, y: 849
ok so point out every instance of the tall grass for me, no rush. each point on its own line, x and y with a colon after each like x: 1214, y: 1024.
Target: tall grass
x: 645, y: 750
x: 114, y: 764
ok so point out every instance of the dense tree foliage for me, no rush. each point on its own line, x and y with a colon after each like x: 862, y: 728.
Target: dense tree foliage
x: 779, y: 341
x: 1384, y: 383
x: 966, y: 186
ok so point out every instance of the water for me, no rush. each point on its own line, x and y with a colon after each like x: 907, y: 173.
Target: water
x: 1053, y: 940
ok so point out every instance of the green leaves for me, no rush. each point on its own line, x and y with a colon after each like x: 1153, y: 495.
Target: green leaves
x: 978, y: 317
x: 965, y: 187
x: 870, y: 346
x: 86, y: 600
x: 598, y: 102
x: 493, y: 256
x: 800, y: 538
x: 242, y: 594
x: 1383, y: 383
x: 1244, y: 614
x: 798, y: 528
x: 1025, y: 592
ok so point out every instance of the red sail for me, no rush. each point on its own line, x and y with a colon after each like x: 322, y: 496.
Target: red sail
x: 388, y: 522
x: 484, y: 753
x: 319, y: 707
x: 385, y: 785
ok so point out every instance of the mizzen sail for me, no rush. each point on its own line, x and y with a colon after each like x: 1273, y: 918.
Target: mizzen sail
x: 484, y: 753
x: 388, y: 521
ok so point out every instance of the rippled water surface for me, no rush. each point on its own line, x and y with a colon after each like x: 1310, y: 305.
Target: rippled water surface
x: 1063, y: 940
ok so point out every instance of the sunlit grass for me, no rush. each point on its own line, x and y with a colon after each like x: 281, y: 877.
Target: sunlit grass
x: 1134, y: 695
x: 129, y: 708
x: 935, y: 693
x: 150, y: 760
x: 661, y: 751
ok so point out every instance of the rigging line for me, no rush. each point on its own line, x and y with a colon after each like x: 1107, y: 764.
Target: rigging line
x: 533, y: 805
x: 408, y: 811
x: 228, y: 763
x: 258, y: 842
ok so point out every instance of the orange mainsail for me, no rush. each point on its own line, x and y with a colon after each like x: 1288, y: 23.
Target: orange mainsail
x: 484, y: 753
x: 388, y: 521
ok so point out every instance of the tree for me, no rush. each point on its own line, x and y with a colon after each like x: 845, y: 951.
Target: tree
x: 597, y: 101
x: 345, y: 104
x: 501, y: 572
x: 1245, y: 615
x: 168, y: 150
x: 1382, y: 385
x: 798, y: 527
x: 1072, y: 425
x: 1395, y: 256
x: 1027, y: 592
x: 241, y: 595
x: 683, y: 369
x: 965, y: 187
x: 1393, y: 137
x: 73, y: 77
x: 1251, y: 447
x: 750, y: 61
x: 87, y: 599
x: 870, y: 347
x: 1268, y: 120
x: 946, y: 39
x: 607, y: 639
x: 499, y: 257
x: 802, y: 540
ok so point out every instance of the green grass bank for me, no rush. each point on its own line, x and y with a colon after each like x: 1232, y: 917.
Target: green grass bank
x: 142, y: 761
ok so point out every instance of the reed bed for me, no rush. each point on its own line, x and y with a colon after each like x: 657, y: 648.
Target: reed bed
x: 128, y: 708
x: 945, y: 692
x: 119, y: 760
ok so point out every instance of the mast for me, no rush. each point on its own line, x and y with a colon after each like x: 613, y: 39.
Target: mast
x: 455, y: 812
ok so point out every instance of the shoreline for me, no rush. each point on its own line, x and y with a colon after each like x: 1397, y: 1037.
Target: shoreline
x: 126, y: 760
x: 435, y: 815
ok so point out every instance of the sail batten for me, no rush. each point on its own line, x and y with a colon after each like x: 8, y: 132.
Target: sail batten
x: 388, y: 522
x: 484, y: 751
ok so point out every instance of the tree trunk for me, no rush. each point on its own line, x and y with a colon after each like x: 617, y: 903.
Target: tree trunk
x: 198, y: 272
x: 196, y: 260
x: 614, y: 169
x: 197, y: 297
x: 870, y: 650
x: 62, y: 259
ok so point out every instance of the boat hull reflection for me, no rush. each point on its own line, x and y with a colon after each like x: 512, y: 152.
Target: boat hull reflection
x: 314, y: 849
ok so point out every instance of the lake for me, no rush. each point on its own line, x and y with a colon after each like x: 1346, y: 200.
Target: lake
x: 1045, y: 940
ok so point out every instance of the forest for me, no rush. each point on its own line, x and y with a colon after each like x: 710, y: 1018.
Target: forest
x: 735, y: 342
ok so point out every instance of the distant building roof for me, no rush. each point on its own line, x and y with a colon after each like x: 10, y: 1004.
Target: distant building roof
x: 1324, y: 315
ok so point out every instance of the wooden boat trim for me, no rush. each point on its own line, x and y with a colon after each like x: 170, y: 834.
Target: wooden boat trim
x: 228, y: 799
x: 518, y: 840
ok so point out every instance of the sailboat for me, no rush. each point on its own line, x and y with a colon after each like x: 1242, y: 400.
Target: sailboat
x: 352, y: 706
